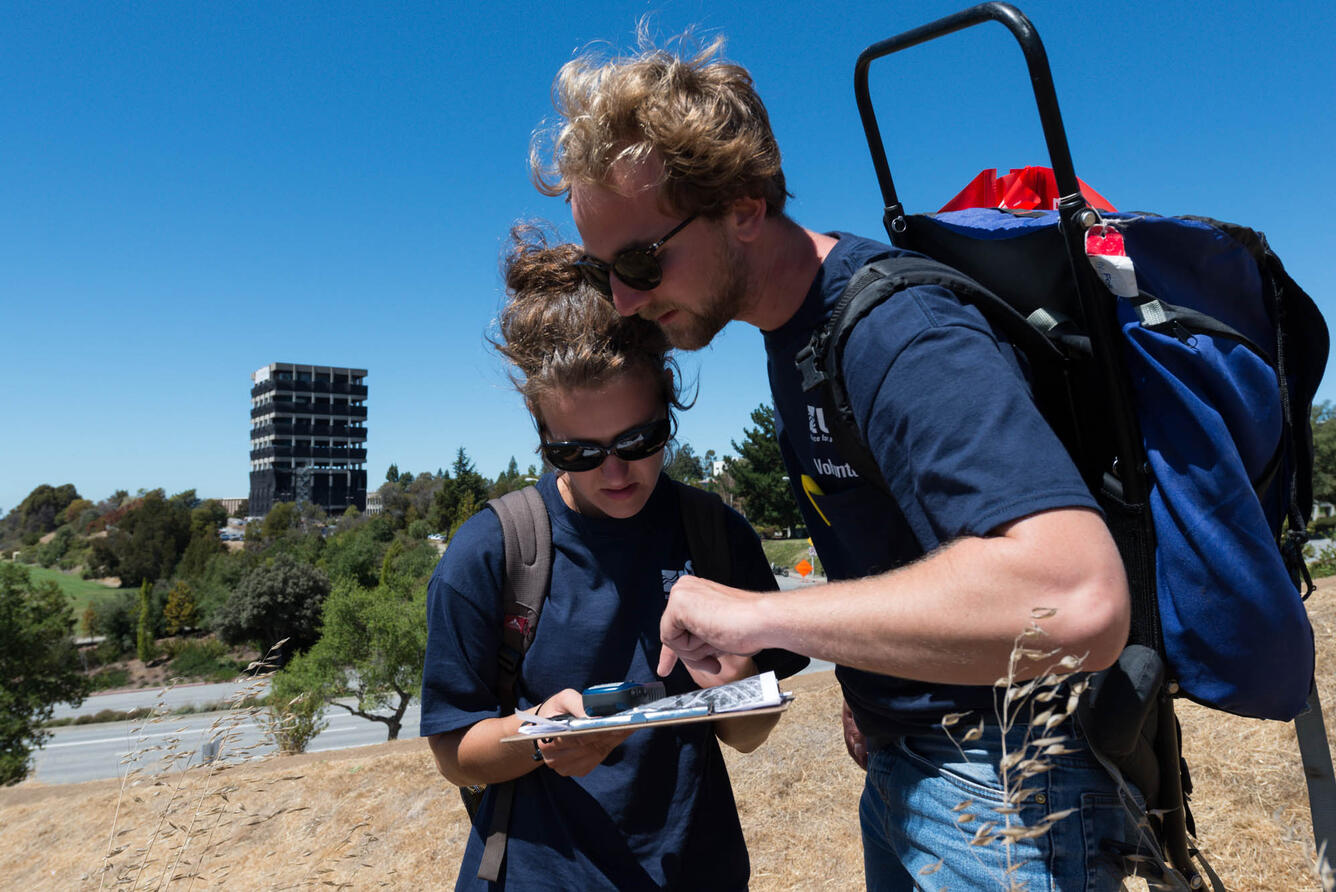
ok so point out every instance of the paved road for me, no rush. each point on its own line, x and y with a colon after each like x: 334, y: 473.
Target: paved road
x: 170, y: 698
x: 110, y: 749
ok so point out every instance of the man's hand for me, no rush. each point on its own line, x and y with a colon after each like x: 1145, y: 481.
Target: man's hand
x: 704, y: 622
x: 854, y: 741
x: 574, y: 756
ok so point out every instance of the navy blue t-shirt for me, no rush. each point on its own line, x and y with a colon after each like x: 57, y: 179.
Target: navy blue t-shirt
x: 948, y: 414
x: 659, y: 812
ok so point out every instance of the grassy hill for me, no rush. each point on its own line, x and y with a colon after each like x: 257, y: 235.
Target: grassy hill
x: 81, y: 592
x: 380, y: 817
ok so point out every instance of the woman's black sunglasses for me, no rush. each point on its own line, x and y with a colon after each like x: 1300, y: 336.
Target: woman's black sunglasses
x: 632, y: 445
x: 637, y: 267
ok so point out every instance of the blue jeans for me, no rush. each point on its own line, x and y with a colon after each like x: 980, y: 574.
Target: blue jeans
x: 915, y: 830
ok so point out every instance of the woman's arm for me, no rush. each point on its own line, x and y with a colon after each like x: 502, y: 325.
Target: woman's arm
x: 476, y: 755
x: 743, y: 734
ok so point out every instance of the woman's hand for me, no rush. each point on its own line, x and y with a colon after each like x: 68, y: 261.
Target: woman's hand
x: 731, y: 668
x: 574, y: 756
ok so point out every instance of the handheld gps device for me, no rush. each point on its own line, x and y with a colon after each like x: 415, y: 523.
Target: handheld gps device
x: 605, y: 699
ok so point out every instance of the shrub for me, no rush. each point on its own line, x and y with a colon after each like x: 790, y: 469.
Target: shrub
x: 116, y: 617
x: 109, y: 678
x: 296, y: 706
x: 204, y: 658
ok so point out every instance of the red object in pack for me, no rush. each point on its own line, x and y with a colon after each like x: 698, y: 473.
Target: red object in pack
x: 1025, y: 189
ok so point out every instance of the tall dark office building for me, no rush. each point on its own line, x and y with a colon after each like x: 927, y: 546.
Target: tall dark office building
x: 308, y: 437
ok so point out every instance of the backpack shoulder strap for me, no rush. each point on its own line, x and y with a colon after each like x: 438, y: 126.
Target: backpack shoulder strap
x: 527, y: 534
x: 704, y: 519
x: 528, y: 572
x: 819, y: 362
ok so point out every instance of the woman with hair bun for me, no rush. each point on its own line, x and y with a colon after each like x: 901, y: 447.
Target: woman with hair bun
x: 649, y: 809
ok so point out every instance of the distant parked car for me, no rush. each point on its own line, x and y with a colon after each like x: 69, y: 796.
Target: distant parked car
x: 438, y: 537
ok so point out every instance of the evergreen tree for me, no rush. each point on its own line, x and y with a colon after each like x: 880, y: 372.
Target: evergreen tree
x: 38, y: 665
x: 685, y: 466
x: 144, y: 645
x: 462, y: 493
x: 180, y: 610
x: 1324, y: 451
x: 759, y: 475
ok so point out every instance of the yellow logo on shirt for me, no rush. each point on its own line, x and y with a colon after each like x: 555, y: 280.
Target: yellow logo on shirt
x: 812, y: 490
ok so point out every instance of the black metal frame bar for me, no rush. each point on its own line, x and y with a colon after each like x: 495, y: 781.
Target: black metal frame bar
x: 1074, y: 214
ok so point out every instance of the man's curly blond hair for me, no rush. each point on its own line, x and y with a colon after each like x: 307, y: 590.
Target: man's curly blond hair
x: 700, y: 115
x: 560, y: 334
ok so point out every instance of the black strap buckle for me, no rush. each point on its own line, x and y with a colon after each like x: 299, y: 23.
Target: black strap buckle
x: 809, y: 366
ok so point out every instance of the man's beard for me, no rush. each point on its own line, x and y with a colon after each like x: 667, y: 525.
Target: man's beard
x: 698, y: 328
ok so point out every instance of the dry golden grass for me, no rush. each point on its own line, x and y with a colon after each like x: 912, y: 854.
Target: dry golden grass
x: 380, y: 817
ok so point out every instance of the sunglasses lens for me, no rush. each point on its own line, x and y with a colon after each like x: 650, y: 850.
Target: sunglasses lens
x: 572, y: 456
x: 643, y: 443
x: 639, y: 269
x: 596, y: 276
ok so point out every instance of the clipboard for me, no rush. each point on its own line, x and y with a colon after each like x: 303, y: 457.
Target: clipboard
x: 649, y: 720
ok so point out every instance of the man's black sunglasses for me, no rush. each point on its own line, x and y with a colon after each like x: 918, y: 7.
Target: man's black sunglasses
x: 632, y: 445
x: 637, y: 267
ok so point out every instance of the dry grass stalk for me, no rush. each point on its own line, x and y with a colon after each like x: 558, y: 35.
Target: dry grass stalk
x: 1322, y: 867
x: 1041, y: 705
x: 193, y: 804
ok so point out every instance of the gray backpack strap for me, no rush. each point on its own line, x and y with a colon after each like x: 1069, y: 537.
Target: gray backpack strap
x: 704, y: 520
x: 528, y: 539
x: 528, y: 542
x: 1316, y: 756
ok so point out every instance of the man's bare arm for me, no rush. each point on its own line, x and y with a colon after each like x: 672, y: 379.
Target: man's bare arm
x: 950, y: 618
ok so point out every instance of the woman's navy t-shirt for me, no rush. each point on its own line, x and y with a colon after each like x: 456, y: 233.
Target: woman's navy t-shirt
x: 659, y: 812
x: 948, y: 414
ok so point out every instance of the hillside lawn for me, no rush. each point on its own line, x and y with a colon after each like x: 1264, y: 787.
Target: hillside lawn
x: 380, y: 817
x: 81, y: 592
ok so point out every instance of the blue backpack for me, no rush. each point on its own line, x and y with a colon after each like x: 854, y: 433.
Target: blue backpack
x: 1223, y: 354
x: 1177, y: 361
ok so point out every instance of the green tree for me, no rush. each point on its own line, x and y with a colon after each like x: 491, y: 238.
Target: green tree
x: 280, y: 599
x: 280, y: 519
x: 371, y: 650
x: 198, y: 553
x: 145, y: 648
x: 392, y: 474
x: 38, y: 514
x: 759, y: 475
x: 150, y: 538
x: 463, y: 491
x: 180, y: 610
x: 357, y: 554
x: 216, y: 582
x: 207, y: 518
x: 38, y: 665
x: 243, y: 509
x: 508, y: 480
x: 74, y: 511
x: 118, y: 620
x: 1324, y: 451
x: 408, y: 563
x: 685, y: 466
x: 296, y: 705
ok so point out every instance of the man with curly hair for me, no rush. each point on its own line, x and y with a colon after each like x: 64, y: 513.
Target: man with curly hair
x: 675, y: 184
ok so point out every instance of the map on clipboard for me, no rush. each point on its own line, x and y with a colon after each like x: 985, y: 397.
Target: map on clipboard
x: 756, y: 695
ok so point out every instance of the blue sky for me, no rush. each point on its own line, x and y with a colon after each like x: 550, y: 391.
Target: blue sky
x: 192, y: 190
